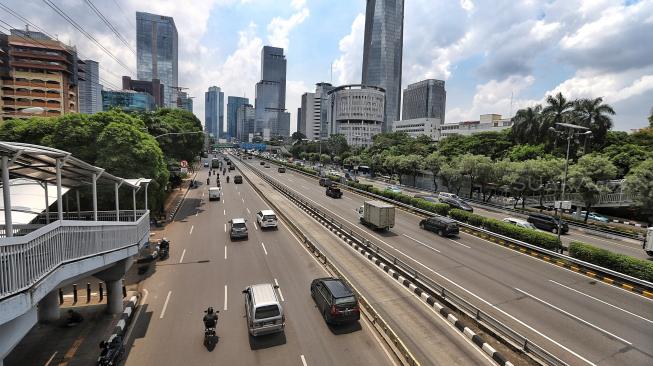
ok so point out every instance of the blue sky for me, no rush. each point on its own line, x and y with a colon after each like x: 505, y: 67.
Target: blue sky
x: 488, y: 52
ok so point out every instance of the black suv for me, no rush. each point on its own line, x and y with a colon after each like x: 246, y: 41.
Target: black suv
x: 444, y: 226
x: 547, y: 223
x: 333, y: 192
x: 262, y: 162
x: 281, y: 169
x: 454, y: 203
x: 335, y: 300
x: 238, y: 179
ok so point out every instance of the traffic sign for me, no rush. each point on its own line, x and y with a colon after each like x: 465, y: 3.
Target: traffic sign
x: 565, y: 205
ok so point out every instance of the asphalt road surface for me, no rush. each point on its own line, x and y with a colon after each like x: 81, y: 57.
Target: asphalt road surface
x: 582, y: 321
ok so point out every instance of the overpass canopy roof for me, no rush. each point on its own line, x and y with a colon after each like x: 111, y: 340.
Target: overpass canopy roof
x: 39, y: 163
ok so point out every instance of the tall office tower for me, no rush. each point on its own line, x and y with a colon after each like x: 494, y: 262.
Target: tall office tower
x: 424, y: 99
x: 184, y: 101
x: 271, y: 94
x: 232, y: 107
x: 90, y: 90
x: 382, y: 53
x: 152, y: 87
x: 214, y: 111
x: 245, y: 116
x: 299, y: 120
x: 313, y: 117
x: 156, y: 51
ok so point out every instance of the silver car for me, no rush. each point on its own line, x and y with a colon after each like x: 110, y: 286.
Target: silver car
x: 263, y: 310
x: 238, y: 228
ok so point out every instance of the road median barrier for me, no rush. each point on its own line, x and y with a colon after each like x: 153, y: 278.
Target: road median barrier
x: 397, y: 346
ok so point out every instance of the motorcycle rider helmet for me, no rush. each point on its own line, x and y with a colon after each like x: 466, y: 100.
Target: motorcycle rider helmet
x: 209, y: 310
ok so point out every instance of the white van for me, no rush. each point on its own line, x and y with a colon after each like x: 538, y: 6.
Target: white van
x: 648, y: 242
x: 214, y: 193
x: 263, y: 310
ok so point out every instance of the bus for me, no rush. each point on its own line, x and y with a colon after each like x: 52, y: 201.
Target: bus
x: 215, y: 163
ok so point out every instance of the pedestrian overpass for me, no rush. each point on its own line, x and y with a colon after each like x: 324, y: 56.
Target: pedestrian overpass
x: 40, y: 252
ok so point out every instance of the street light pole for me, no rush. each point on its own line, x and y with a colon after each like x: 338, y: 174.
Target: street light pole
x: 178, y: 133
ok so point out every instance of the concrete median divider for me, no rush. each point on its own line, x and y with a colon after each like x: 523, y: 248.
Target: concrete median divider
x: 429, y: 291
x: 397, y: 346
x: 113, y: 349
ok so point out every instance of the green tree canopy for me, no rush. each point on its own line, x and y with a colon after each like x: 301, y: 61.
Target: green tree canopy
x: 639, y: 184
x: 584, y: 178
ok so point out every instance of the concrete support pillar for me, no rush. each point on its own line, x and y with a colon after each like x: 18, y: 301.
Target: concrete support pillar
x: 95, y: 177
x: 117, y: 202
x: 59, y: 195
x: 134, y: 202
x: 6, y: 196
x: 47, y: 203
x: 114, y: 296
x: 48, y: 308
x: 146, y: 206
x: 79, y: 207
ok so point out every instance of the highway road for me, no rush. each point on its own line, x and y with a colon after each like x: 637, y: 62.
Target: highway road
x: 627, y: 246
x: 207, y: 269
x: 578, y: 319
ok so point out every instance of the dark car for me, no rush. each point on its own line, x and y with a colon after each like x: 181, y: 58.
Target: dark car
x: 281, y: 169
x: 454, y: 203
x: 238, y: 179
x: 548, y: 223
x: 231, y: 167
x: 262, y: 163
x: 333, y: 192
x: 325, y: 182
x: 444, y: 226
x: 335, y: 300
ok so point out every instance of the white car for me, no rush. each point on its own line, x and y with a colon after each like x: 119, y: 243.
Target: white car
x: 519, y: 222
x: 214, y: 193
x: 266, y: 219
x: 448, y: 195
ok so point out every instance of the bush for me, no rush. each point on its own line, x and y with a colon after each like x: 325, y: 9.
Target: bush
x: 437, y: 208
x: 530, y: 236
x: 639, y: 268
x: 468, y: 217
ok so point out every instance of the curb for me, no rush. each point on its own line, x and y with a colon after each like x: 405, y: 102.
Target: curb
x: 125, y: 317
x: 176, y: 209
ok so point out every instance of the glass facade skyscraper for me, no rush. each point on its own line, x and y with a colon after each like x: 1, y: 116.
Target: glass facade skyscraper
x: 214, y: 111
x: 90, y: 90
x: 156, y: 53
x: 232, y: 108
x: 424, y: 99
x: 271, y: 94
x: 127, y: 100
x: 382, y: 53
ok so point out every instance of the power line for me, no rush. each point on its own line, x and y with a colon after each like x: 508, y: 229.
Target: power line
x: 85, y: 33
x: 110, y: 26
x: 9, y: 27
x: 125, y: 14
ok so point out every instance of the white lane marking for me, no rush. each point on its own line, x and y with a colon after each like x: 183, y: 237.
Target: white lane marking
x: 224, y: 212
x: 255, y: 226
x: 202, y: 194
x: 225, y: 228
x: 263, y: 245
x: 419, y: 242
x: 248, y: 211
x: 303, y: 360
x: 459, y: 243
x: 225, y: 252
x: 243, y: 200
x: 51, y: 358
x: 603, y: 302
x: 290, y: 180
x: 574, y: 317
x: 182, y: 256
x: 303, y: 186
x: 279, y: 289
x: 239, y: 193
x: 347, y: 198
x: 191, y: 229
x: 165, y: 305
x: 225, y: 297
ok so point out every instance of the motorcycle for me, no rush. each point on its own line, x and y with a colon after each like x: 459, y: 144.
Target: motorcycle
x: 164, y: 249
x: 210, y: 337
x: 112, y: 352
x: 227, y: 179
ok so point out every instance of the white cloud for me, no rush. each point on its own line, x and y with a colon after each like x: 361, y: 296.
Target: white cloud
x: 297, y: 4
x: 468, y: 5
x: 279, y: 28
x: 348, y: 66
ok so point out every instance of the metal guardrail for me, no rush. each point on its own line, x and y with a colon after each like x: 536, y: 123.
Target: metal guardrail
x: 601, y: 270
x: 25, y: 260
x: 425, y: 282
x: 379, y: 323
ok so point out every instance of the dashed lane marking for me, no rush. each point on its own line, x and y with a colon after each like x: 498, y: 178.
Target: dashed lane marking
x: 182, y: 256
x: 263, y: 245
x: 165, y: 305
x: 279, y: 289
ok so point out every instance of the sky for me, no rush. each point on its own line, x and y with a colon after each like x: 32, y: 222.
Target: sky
x: 496, y: 56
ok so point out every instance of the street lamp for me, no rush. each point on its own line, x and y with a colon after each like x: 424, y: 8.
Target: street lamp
x: 178, y: 133
x: 571, y: 131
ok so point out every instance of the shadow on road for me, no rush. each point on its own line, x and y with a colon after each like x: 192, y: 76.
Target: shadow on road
x: 267, y: 341
x: 139, y: 329
x: 188, y: 208
x: 346, y: 328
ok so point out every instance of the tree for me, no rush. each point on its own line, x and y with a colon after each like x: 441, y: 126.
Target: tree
x: 557, y: 110
x: 409, y: 165
x: 337, y: 144
x: 526, y: 128
x: 452, y: 175
x: 297, y: 136
x: 626, y: 156
x: 650, y: 119
x: 479, y: 170
x: 595, y: 115
x: 585, y: 175
x: 434, y: 163
x: 175, y: 147
x: 524, y: 152
x: 639, y: 184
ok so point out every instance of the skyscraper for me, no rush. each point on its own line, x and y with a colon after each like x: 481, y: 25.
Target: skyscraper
x: 214, y: 111
x: 382, y: 53
x: 313, y: 122
x: 424, y: 99
x: 232, y: 107
x: 156, y: 51
x: 245, y: 116
x: 271, y: 94
x: 184, y: 101
x: 90, y: 90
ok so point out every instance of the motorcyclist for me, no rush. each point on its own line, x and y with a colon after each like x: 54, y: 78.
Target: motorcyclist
x: 210, y: 319
x: 208, y: 181
x: 164, y: 244
x: 227, y: 179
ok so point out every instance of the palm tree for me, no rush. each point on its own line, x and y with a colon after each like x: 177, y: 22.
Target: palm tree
x: 595, y: 115
x: 558, y: 110
x: 527, y: 124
